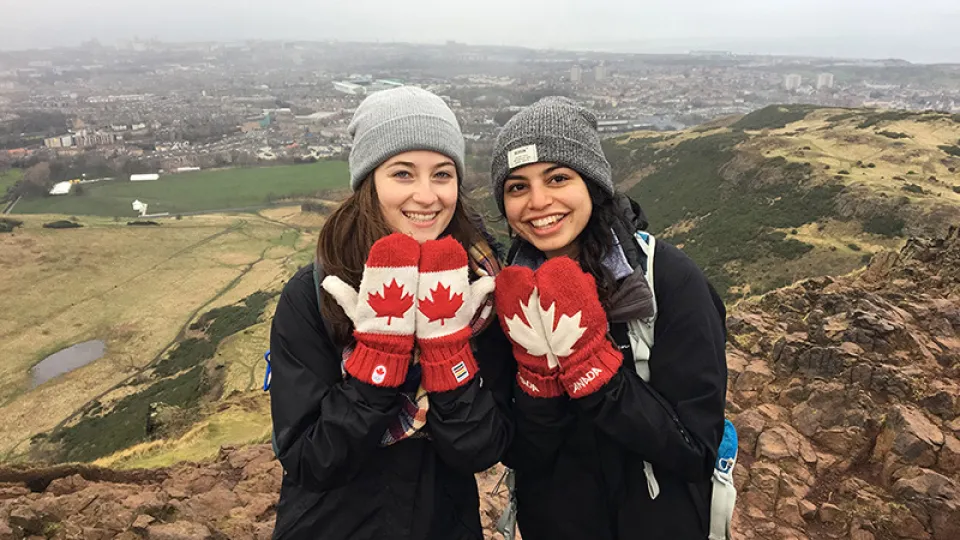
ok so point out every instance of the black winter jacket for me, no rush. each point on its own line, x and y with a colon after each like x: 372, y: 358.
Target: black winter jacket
x: 338, y: 483
x: 579, y: 463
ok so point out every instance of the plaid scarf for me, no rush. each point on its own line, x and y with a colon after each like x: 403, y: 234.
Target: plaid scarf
x: 413, y: 400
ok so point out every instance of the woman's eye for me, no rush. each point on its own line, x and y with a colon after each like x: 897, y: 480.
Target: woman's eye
x: 513, y: 188
x: 401, y: 174
x: 559, y: 178
x: 444, y: 175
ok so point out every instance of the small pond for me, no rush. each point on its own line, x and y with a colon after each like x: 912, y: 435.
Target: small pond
x: 66, y: 360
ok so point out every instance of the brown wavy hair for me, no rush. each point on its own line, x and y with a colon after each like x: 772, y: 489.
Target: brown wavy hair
x: 351, y: 230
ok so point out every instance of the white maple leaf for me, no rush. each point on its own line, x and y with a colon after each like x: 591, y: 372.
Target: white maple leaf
x: 540, y: 337
x: 567, y: 332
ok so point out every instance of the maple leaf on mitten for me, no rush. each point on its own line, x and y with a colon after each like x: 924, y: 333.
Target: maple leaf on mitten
x: 521, y: 316
x: 546, y: 339
x: 441, y: 304
x: 589, y: 360
x: 393, y: 302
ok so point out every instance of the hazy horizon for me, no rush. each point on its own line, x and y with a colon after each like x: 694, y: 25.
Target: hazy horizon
x: 923, y: 31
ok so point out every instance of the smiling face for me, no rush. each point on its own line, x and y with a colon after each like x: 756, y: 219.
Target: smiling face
x: 547, y: 205
x: 417, y: 192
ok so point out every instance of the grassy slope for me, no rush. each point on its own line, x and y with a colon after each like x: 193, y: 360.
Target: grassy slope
x: 203, y: 190
x: 134, y: 288
x: 741, y: 200
x: 9, y: 178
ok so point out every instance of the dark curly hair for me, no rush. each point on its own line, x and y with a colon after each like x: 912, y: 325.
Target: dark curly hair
x: 597, y: 239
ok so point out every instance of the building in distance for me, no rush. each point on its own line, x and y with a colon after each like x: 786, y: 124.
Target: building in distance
x: 576, y: 74
x: 792, y: 81
x: 600, y: 72
x: 824, y: 80
x: 363, y: 87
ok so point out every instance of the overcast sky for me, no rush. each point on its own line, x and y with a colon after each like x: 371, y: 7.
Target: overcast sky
x: 916, y: 30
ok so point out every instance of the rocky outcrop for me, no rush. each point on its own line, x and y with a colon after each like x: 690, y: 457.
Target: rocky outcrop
x: 846, y: 393
x: 233, y: 498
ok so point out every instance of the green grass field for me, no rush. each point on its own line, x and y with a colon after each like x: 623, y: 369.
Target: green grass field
x: 9, y: 178
x: 192, y: 192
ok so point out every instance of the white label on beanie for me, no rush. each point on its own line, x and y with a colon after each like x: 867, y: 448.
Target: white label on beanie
x: 522, y: 156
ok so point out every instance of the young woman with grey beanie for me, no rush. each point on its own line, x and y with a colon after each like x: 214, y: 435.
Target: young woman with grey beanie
x: 390, y: 387
x: 619, y: 341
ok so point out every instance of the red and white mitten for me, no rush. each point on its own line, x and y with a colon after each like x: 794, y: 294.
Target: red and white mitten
x: 587, y: 358
x: 382, y: 311
x: 446, y: 302
x: 518, y: 307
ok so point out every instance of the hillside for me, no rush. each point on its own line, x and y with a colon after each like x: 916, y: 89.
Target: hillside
x: 846, y: 395
x: 789, y: 192
x: 845, y: 391
x: 182, y: 312
x: 845, y: 388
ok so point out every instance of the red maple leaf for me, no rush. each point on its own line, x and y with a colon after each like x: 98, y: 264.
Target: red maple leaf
x: 442, y: 306
x: 392, y: 303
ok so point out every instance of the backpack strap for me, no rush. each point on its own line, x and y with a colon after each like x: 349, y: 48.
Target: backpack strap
x: 648, y: 244
x: 641, y: 332
x: 640, y: 335
x: 724, y: 496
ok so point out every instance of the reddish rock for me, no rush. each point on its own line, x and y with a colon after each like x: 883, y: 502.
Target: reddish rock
x: 13, y: 491
x: 909, y: 436
x: 808, y: 510
x: 178, y: 530
x: 842, y: 440
x: 69, y: 484
x: 750, y: 425
x: 215, y: 504
x: 96, y: 533
x: 949, y: 459
x: 954, y: 426
x: 788, y: 511
x: 142, y: 522
x: 25, y: 521
x: 755, y: 376
x: 830, y: 513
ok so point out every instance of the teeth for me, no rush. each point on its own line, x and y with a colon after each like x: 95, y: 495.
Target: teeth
x: 420, y: 217
x: 547, y: 221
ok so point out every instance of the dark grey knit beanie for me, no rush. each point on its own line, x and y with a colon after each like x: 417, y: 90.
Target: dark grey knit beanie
x: 399, y: 120
x: 552, y: 130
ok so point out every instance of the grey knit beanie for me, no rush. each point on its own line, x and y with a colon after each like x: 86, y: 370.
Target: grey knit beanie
x: 399, y: 120
x: 552, y: 130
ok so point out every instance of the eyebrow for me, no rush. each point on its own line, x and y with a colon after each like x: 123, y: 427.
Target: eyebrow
x: 413, y: 166
x: 546, y: 171
x: 402, y: 163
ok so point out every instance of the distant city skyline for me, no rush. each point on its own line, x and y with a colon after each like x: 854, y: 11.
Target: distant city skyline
x: 922, y: 31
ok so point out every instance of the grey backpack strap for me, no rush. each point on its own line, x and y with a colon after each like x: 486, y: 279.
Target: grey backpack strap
x: 507, y: 524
